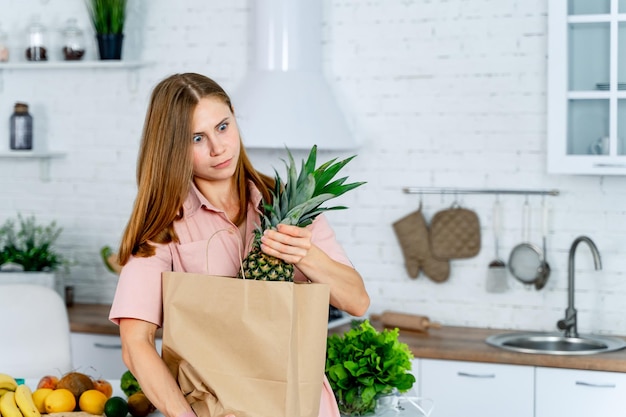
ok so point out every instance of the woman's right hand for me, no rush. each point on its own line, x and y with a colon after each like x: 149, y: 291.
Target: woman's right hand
x: 144, y: 362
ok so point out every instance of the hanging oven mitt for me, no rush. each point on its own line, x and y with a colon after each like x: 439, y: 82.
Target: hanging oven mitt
x: 455, y: 234
x: 412, y: 234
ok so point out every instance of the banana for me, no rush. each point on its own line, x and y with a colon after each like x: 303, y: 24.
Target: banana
x: 8, y: 407
x: 3, y: 391
x: 24, y: 401
x: 7, y: 382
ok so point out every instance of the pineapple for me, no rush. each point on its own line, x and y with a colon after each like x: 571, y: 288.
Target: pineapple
x: 297, y: 202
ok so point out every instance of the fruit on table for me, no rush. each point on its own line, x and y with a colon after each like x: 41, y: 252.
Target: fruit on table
x: 8, y: 406
x: 76, y: 383
x: 92, y: 401
x: 7, y: 382
x: 139, y: 405
x: 116, y: 407
x: 48, y: 381
x: 60, y: 400
x: 103, y: 386
x: 24, y: 400
x: 39, y: 396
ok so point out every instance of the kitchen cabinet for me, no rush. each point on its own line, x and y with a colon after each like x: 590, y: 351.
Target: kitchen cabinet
x: 99, y: 355
x: 461, y: 388
x: 576, y: 393
x: 587, y: 87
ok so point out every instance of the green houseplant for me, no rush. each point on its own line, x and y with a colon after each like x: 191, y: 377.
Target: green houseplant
x: 27, y: 245
x: 364, y: 364
x: 108, y: 18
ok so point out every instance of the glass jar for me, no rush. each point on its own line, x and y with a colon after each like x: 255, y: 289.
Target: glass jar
x: 21, y: 128
x: 36, y: 50
x: 4, y: 47
x: 73, y: 41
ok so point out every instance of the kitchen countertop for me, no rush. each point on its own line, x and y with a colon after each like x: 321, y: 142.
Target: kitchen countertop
x: 449, y: 343
x: 93, y: 318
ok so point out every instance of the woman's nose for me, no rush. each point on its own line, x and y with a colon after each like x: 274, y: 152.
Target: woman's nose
x: 216, y: 146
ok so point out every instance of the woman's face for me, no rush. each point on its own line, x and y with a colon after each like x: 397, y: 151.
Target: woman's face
x: 216, y: 142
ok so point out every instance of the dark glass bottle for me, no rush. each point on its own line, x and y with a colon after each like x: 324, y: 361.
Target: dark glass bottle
x: 21, y: 128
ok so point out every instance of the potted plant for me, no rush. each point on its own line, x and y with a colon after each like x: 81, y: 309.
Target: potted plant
x: 364, y: 365
x: 26, y: 252
x: 108, y: 18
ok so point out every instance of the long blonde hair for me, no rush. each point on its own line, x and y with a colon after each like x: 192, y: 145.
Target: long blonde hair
x: 165, y: 165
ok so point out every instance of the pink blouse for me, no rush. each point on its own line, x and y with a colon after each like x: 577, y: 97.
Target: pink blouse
x: 209, y: 243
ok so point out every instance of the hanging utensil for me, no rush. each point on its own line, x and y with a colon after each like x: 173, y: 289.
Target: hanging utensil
x: 526, y: 259
x: 545, y: 267
x: 496, y: 272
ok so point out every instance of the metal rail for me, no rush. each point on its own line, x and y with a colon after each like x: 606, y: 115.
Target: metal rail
x: 435, y: 190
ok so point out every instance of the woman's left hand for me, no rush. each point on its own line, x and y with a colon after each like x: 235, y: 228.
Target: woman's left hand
x: 293, y: 245
x: 289, y: 243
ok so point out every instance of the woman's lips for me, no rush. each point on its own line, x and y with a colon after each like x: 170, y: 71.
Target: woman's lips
x: 222, y: 165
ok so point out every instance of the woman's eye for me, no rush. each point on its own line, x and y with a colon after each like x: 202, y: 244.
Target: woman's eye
x: 222, y: 127
x: 197, y: 138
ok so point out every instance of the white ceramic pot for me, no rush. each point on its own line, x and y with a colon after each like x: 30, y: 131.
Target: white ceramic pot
x: 47, y: 279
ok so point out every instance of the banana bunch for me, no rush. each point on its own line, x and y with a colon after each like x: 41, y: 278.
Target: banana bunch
x: 16, y: 400
x: 7, y: 383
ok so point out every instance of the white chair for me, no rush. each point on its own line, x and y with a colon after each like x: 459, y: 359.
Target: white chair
x: 34, y: 332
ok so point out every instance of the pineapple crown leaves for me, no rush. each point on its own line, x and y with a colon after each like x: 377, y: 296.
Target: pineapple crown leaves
x: 299, y: 201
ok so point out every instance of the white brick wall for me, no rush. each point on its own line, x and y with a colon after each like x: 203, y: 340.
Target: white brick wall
x: 439, y: 93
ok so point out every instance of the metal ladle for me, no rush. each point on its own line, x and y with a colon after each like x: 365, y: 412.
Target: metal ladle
x: 544, y: 272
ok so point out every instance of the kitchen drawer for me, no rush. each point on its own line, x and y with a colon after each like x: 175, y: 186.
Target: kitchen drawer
x: 576, y: 393
x: 477, y: 389
x: 99, y: 356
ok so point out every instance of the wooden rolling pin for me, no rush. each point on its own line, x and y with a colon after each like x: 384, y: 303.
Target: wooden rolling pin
x: 403, y: 321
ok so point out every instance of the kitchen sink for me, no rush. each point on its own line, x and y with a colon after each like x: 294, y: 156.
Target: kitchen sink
x: 555, y: 343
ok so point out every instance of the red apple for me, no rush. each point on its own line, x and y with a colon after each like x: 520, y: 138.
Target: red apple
x: 48, y: 381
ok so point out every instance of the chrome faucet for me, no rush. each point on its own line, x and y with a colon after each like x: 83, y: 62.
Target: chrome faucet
x: 569, y: 323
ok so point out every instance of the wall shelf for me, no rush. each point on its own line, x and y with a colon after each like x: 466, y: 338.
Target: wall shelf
x: 50, y: 65
x: 77, y: 65
x: 43, y: 157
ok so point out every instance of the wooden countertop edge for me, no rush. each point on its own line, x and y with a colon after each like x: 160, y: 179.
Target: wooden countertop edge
x: 468, y: 344
x: 447, y: 343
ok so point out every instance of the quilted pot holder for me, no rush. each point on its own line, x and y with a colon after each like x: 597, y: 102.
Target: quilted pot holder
x: 455, y: 234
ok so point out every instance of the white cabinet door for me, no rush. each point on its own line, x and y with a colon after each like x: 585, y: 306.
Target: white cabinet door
x: 586, y: 87
x: 99, y: 356
x: 477, y: 389
x: 576, y: 393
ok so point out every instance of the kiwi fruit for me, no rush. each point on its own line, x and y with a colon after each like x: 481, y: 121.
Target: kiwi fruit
x: 139, y: 405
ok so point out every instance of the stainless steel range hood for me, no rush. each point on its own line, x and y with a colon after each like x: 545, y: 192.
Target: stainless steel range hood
x: 285, y: 99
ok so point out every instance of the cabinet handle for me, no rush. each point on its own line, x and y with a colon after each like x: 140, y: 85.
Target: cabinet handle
x: 467, y: 374
x: 107, y: 345
x: 608, y: 165
x: 589, y: 384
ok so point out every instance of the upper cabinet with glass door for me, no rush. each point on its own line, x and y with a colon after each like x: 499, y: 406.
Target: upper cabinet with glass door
x: 587, y: 87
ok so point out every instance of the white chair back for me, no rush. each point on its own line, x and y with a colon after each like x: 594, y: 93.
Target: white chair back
x: 35, y: 332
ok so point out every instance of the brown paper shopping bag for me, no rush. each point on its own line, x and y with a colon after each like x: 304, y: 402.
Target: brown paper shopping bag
x: 246, y: 347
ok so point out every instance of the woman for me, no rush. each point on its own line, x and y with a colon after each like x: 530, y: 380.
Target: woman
x: 194, y: 178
